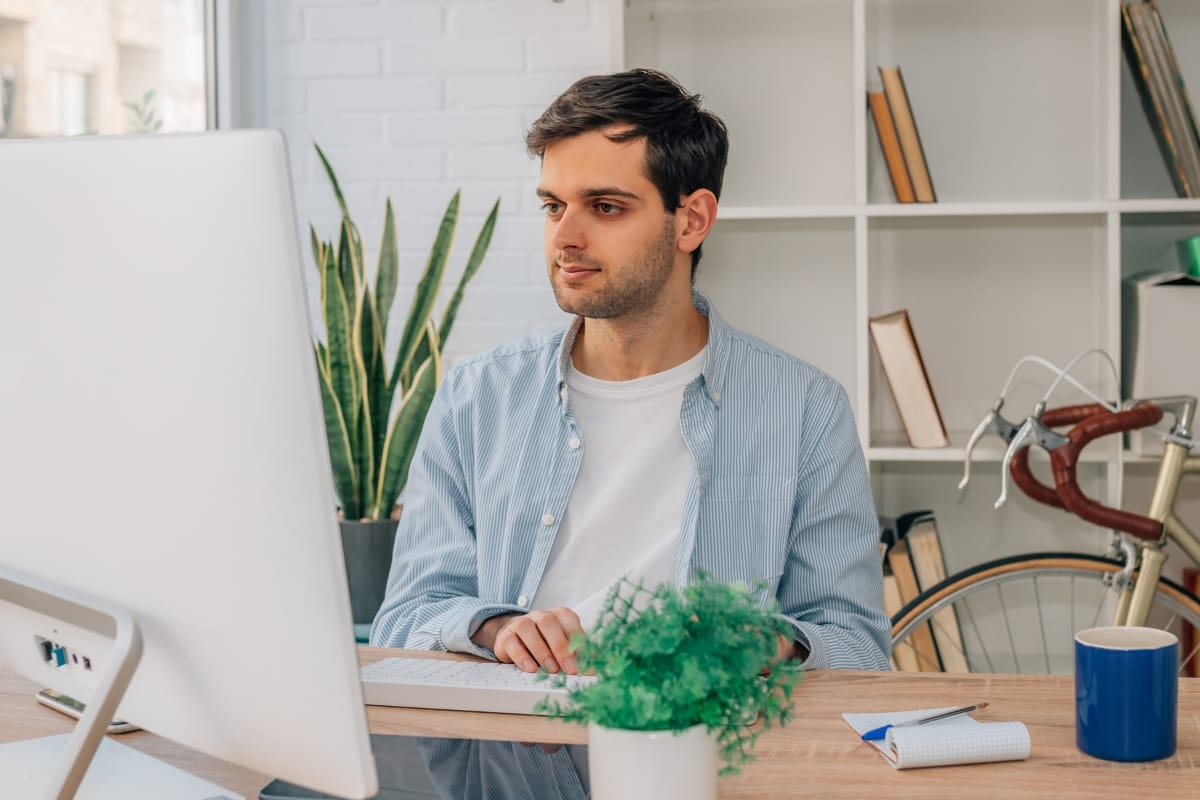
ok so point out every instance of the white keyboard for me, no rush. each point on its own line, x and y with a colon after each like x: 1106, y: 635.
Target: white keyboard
x: 458, y: 685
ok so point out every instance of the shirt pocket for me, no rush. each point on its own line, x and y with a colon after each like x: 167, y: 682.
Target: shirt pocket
x: 747, y: 521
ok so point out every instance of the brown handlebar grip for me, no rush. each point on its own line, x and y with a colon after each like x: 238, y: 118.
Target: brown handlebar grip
x: 1019, y: 466
x: 1024, y: 477
x: 1070, y: 415
x: 1064, y: 459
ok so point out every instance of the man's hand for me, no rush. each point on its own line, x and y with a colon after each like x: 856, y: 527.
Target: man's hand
x: 786, y: 648
x: 533, y: 639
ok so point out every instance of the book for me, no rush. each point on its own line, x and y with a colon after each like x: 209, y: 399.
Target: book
x: 885, y: 127
x: 1166, y: 85
x: 907, y: 379
x: 904, y: 655
x: 906, y: 584
x: 906, y: 132
x: 1150, y: 91
x: 929, y: 564
x: 1189, y: 131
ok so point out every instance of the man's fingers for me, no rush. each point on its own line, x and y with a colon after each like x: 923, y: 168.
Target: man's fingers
x: 570, y: 625
x: 540, y: 638
x: 510, y: 648
x: 523, y: 642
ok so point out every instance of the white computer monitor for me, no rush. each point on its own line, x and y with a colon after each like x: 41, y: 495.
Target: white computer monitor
x: 162, y: 447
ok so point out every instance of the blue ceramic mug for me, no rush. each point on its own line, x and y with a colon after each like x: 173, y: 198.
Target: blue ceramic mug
x: 1126, y: 693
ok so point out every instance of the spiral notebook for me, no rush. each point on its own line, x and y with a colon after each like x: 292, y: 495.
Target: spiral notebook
x: 961, y: 740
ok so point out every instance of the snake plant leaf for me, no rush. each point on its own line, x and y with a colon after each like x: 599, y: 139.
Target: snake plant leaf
x: 323, y: 359
x: 361, y: 340
x: 482, y: 241
x: 337, y: 189
x: 343, y: 376
x: 346, y: 259
x: 478, y: 251
x: 341, y: 452
x: 402, y: 438
x: 318, y: 248
x: 364, y: 452
x: 378, y: 399
x: 386, y: 275
x: 425, y: 296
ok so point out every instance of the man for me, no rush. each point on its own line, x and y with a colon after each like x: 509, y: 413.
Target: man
x: 648, y: 438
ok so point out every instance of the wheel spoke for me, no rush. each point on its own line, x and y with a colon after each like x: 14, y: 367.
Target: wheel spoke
x: 1037, y: 598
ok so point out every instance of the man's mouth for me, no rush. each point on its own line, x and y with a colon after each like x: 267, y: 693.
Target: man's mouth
x: 573, y: 273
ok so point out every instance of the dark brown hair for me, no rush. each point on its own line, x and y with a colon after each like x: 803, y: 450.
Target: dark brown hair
x: 686, y: 145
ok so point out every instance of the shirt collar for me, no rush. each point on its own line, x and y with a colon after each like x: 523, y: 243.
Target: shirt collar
x: 712, y: 374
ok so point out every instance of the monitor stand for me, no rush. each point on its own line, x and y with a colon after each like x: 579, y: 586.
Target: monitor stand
x: 56, y: 766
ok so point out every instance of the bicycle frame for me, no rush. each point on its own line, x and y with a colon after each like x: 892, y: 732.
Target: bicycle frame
x: 1134, y: 604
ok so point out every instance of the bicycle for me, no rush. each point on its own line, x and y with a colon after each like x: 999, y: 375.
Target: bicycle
x: 1035, y: 600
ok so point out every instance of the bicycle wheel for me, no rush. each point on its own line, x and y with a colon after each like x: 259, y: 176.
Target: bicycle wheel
x: 1020, y: 614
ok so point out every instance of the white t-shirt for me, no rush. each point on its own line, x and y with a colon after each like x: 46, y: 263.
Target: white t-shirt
x: 625, y: 509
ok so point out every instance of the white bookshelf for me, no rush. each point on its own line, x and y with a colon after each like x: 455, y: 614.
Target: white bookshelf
x: 1051, y: 189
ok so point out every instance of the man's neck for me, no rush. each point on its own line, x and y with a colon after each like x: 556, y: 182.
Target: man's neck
x: 634, y: 346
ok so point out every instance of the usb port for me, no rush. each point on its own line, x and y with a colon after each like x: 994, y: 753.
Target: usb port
x: 47, y: 649
x: 60, y: 655
x: 87, y: 662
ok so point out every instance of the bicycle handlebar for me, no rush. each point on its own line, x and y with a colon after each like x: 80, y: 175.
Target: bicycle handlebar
x: 1091, y: 421
x: 1051, y: 418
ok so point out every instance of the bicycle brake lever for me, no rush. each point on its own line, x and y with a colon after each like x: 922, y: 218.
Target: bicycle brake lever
x: 1023, y: 433
x: 976, y: 435
x: 1031, y: 428
x: 992, y: 422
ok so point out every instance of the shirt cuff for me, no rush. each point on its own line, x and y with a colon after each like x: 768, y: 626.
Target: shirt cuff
x: 805, y: 634
x: 458, y: 629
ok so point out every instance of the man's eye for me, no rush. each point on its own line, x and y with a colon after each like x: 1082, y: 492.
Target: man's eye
x: 552, y: 209
x: 608, y: 209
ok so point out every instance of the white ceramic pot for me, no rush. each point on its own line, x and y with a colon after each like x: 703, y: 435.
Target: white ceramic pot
x: 652, y: 765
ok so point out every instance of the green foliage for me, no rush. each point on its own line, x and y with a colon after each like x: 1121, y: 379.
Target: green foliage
x: 375, y: 404
x: 670, y: 658
x: 143, y: 115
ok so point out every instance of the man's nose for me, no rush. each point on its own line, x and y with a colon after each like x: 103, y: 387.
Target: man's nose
x: 569, y: 231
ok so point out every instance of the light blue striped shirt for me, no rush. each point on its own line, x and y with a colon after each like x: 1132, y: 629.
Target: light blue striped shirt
x: 778, y: 492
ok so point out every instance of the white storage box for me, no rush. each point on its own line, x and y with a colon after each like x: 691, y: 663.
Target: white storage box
x: 1160, y: 356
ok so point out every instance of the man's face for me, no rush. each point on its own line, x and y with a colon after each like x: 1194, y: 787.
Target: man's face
x: 610, y: 245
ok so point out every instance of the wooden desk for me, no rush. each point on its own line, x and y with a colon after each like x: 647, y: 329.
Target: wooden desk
x: 817, y: 754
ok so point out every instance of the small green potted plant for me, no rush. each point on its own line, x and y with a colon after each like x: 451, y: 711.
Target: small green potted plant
x: 682, y: 674
x: 375, y: 401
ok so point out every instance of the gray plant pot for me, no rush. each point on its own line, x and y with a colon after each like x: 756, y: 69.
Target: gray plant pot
x: 367, y: 548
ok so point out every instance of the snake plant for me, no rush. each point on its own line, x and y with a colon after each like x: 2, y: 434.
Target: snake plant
x: 375, y: 401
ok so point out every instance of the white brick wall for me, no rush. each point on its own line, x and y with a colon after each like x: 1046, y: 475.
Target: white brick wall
x: 413, y: 99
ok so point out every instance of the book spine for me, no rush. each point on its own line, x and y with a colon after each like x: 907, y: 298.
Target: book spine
x: 906, y: 130
x: 1151, y: 36
x: 1190, y: 131
x: 885, y: 127
x: 1136, y: 55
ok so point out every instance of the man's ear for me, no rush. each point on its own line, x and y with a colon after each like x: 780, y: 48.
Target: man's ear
x: 694, y: 219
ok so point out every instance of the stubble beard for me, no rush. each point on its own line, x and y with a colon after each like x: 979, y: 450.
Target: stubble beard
x: 641, y: 287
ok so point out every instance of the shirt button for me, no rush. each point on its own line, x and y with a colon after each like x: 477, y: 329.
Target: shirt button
x: 522, y: 601
x: 563, y: 394
x: 548, y: 519
x: 573, y: 442
x: 716, y: 397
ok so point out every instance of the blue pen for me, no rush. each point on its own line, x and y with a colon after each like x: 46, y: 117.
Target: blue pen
x: 879, y: 733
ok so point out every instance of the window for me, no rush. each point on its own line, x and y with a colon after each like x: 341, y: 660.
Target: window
x: 103, y: 66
